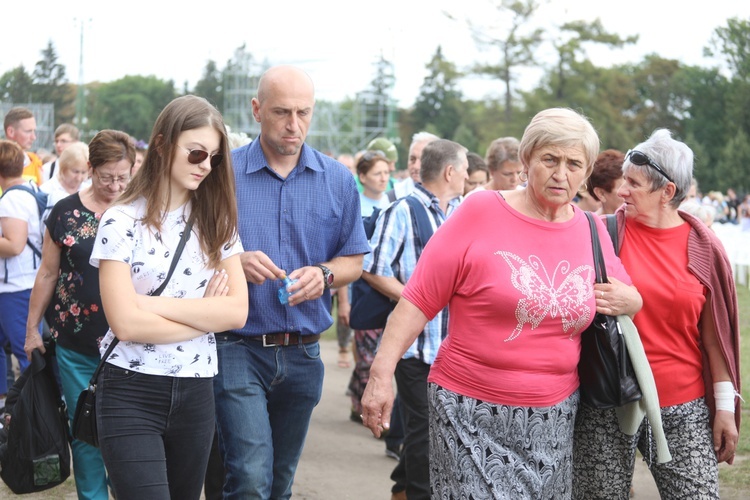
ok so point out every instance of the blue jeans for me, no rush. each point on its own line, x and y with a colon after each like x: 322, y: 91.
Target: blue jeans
x: 155, y: 433
x: 76, y: 370
x: 14, y: 308
x: 264, y: 399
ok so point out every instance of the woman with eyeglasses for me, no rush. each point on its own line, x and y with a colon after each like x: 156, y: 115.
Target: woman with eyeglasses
x: 689, y: 328
x: 155, y: 399
x: 66, y: 289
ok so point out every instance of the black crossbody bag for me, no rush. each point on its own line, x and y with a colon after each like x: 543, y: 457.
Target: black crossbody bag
x: 84, y: 419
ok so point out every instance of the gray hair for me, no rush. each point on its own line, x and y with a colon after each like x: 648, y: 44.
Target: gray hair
x: 439, y: 154
x: 422, y: 137
x: 673, y: 156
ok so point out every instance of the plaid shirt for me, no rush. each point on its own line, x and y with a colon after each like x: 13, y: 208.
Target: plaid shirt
x: 394, y: 255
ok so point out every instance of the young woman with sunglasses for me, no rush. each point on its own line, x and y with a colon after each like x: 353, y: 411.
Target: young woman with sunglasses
x: 155, y: 394
x: 689, y: 327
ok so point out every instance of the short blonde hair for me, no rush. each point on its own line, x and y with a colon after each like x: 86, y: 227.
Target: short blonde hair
x: 74, y: 155
x: 560, y: 127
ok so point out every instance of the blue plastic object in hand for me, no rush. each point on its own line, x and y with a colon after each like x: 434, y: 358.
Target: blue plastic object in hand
x: 283, y: 293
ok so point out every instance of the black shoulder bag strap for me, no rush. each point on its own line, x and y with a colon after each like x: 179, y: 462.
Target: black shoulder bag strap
x: 599, y: 266
x: 421, y: 221
x: 183, y: 240
x: 612, y: 230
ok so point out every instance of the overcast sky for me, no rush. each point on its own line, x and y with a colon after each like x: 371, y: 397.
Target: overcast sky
x: 337, y: 42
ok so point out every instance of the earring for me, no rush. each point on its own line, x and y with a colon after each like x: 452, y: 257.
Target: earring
x: 524, y: 176
x: 585, y: 187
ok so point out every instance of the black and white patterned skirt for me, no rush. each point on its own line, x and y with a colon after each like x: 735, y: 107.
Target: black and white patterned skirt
x: 484, y: 450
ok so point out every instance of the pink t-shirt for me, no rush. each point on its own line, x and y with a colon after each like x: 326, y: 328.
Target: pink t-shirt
x: 520, y: 292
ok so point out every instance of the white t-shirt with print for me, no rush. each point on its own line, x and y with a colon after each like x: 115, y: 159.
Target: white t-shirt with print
x: 21, y: 269
x: 122, y: 237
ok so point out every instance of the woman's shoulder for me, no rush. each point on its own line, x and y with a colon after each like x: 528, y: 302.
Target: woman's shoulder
x: 125, y: 211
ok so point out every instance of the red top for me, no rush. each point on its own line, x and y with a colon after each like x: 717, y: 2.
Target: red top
x: 673, y: 300
x: 520, y: 293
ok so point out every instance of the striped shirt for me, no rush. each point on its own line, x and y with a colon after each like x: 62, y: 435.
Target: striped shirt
x: 311, y: 216
x: 394, y: 254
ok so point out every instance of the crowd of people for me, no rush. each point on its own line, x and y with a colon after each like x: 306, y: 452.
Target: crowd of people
x: 204, y: 270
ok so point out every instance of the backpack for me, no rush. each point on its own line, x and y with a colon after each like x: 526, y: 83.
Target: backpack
x: 370, y: 308
x: 41, y: 204
x: 37, y: 455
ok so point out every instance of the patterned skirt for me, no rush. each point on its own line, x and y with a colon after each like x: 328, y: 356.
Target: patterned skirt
x: 483, y: 450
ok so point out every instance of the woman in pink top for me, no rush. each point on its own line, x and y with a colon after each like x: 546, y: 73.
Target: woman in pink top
x: 516, y: 268
x: 689, y: 327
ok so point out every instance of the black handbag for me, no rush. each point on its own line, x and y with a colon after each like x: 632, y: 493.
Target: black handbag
x: 84, y: 418
x: 605, y: 371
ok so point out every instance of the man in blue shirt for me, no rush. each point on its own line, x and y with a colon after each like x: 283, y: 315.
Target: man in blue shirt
x: 299, y: 216
x: 443, y: 172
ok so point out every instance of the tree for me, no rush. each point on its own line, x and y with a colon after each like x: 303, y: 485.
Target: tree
x: 733, y: 42
x: 439, y: 100
x: 515, y: 43
x: 16, y: 85
x: 211, y: 85
x: 131, y: 104
x: 51, y: 85
x: 581, y: 33
x: 733, y: 170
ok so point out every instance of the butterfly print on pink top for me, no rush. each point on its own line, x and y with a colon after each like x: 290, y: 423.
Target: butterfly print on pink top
x: 542, y: 297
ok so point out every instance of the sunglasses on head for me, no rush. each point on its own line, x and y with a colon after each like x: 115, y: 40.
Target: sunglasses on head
x: 373, y: 153
x: 198, y: 156
x: 640, y: 159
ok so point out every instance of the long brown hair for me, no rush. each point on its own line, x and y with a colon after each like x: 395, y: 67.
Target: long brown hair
x: 213, y: 204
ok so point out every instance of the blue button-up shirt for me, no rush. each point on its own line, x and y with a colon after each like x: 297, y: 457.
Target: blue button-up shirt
x: 394, y: 255
x: 310, y: 217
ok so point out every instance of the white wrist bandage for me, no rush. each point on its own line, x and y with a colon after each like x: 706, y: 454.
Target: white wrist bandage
x: 724, y: 396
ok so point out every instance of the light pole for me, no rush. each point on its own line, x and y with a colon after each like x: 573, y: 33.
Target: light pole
x: 81, y: 96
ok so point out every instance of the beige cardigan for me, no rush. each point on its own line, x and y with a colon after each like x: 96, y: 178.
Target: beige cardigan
x: 631, y: 415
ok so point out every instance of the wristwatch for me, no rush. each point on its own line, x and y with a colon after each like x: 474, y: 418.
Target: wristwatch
x: 327, y: 276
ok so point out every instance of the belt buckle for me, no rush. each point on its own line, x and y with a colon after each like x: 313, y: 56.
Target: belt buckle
x: 266, y: 343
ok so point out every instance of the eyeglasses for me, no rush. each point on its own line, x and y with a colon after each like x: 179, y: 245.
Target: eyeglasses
x: 110, y: 179
x: 640, y: 159
x: 198, y: 156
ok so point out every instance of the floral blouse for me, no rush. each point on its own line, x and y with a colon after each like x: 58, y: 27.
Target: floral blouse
x: 75, y: 315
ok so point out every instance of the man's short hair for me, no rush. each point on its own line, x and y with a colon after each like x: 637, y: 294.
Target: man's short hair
x: 437, y: 155
x: 15, y: 115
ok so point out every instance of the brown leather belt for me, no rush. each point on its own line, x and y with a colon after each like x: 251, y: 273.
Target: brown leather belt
x: 284, y: 339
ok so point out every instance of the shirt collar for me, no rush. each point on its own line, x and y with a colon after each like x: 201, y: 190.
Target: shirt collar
x: 306, y: 159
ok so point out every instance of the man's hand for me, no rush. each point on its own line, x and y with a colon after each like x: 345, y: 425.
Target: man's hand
x: 309, y: 285
x: 259, y: 267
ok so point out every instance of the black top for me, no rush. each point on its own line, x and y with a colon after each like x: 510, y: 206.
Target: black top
x: 75, y: 314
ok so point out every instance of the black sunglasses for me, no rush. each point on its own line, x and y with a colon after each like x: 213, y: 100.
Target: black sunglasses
x: 198, y: 156
x: 640, y: 159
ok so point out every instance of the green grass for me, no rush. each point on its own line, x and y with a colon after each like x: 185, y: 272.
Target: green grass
x: 737, y: 477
